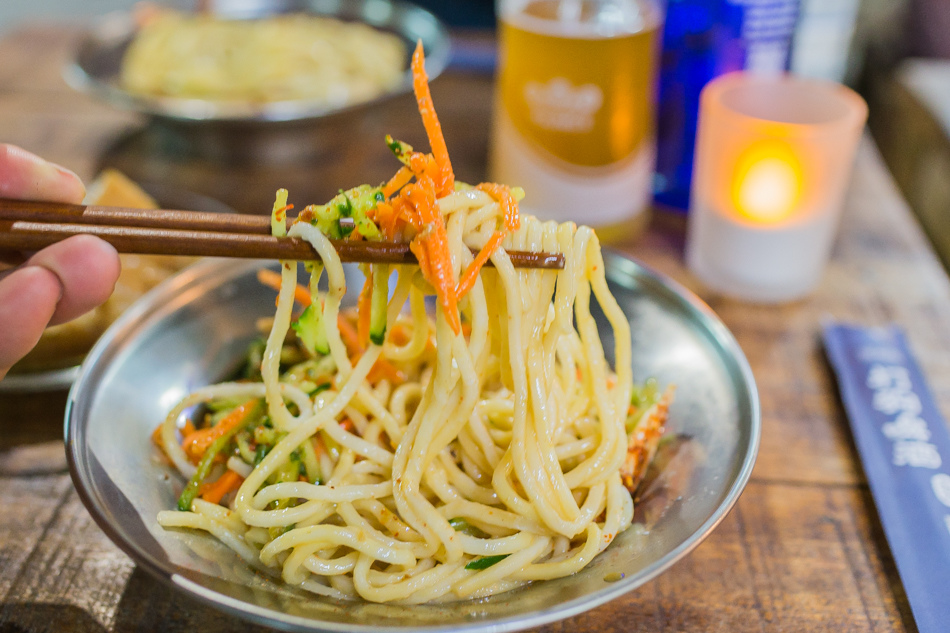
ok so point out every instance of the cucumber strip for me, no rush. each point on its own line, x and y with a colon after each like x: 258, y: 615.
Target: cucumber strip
x: 310, y: 461
x: 306, y: 328
x: 278, y: 221
x: 288, y: 471
x: 261, y: 452
x: 461, y: 525
x: 379, y: 304
x: 321, y: 344
x: 297, y: 461
x: 225, y: 404
x: 244, y: 447
x: 309, y: 325
x: 401, y: 150
x: 486, y: 561
x: 355, y: 203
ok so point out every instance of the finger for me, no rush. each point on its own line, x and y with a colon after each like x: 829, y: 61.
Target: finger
x: 26, y: 176
x: 87, y: 269
x: 28, y: 298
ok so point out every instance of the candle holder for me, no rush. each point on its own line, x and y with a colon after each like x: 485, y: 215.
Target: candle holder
x: 773, y: 160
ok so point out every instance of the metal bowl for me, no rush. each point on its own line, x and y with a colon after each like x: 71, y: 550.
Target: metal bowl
x: 98, y: 60
x: 193, y: 330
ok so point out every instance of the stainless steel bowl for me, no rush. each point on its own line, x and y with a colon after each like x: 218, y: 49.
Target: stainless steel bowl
x: 193, y: 330
x: 98, y: 60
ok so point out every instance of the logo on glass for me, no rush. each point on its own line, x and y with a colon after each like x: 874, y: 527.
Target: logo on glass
x: 559, y: 106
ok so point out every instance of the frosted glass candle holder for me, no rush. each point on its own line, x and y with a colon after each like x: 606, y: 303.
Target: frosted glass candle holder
x: 773, y: 160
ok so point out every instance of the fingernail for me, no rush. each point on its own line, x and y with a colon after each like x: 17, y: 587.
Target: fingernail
x: 62, y: 184
x: 71, y: 175
x: 32, y: 177
x: 64, y: 171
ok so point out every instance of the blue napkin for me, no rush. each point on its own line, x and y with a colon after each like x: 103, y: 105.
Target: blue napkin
x: 904, y: 446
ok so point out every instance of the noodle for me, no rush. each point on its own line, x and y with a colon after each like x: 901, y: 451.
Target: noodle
x: 486, y: 458
x: 279, y: 58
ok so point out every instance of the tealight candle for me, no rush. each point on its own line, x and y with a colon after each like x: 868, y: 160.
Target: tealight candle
x: 773, y: 160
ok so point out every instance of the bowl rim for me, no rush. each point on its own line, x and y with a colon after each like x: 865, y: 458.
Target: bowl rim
x: 119, y: 28
x: 215, y: 270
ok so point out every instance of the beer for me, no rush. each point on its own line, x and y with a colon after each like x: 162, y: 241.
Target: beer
x: 574, y: 122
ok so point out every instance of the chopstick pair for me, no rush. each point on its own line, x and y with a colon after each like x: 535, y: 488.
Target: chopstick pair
x: 28, y: 226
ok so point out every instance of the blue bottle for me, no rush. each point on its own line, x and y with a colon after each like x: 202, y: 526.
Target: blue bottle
x: 703, y: 39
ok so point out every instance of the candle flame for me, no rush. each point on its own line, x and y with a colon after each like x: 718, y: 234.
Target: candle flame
x: 768, y: 187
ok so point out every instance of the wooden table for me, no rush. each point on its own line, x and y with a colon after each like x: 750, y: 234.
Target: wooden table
x: 802, y: 551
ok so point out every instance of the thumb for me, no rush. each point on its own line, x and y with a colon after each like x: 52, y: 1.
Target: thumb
x: 28, y: 298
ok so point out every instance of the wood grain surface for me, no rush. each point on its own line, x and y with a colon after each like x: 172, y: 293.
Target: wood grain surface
x: 802, y: 551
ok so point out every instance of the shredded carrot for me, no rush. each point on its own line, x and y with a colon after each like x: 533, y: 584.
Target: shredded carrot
x: 272, y: 280
x: 467, y: 282
x: 214, y: 491
x: 420, y: 86
x: 381, y: 369
x: 157, y: 437
x: 418, y: 249
x: 347, y: 425
x: 196, y: 443
x: 407, y: 214
x: 416, y: 206
x: 398, y: 181
x: 400, y: 334
x: 436, y: 263
x: 512, y: 222
x: 318, y: 446
x: 425, y: 165
x: 186, y: 430
x: 363, y: 310
x: 509, y: 207
x: 385, y: 218
x: 349, y: 335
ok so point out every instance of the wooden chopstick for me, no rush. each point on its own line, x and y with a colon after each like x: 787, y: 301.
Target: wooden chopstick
x: 27, y: 225
x: 59, y: 212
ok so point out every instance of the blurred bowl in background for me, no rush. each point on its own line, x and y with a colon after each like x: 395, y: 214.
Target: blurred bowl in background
x: 96, y: 68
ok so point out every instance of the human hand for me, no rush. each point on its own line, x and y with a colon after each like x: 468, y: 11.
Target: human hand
x: 58, y: 283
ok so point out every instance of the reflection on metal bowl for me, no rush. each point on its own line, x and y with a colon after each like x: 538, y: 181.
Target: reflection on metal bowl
x: 194, y: 330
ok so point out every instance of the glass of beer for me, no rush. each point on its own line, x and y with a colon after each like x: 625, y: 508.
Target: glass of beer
x: 574, y: 113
